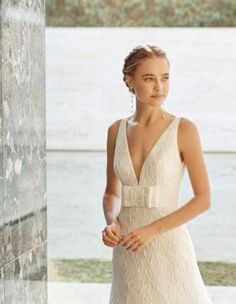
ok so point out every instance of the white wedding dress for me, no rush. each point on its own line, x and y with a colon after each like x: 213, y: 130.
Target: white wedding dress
x: 165, y: 271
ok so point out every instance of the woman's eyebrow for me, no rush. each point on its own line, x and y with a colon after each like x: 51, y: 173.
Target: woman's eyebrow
x: 153, y: 74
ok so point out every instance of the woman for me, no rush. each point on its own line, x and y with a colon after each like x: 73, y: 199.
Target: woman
x: 153, y: 259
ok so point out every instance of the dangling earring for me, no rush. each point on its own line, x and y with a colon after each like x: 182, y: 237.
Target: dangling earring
x: 132, y: 102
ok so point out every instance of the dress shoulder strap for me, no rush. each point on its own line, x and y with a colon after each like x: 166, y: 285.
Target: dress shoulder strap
x: 120, y: 129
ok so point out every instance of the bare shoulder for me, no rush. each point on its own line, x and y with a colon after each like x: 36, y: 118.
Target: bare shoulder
x: 188, y: 134
x: 113, y: 130
x: 113, y: 185
x: 114, y: 126
x: 186, y: 124
x: 191, y: 150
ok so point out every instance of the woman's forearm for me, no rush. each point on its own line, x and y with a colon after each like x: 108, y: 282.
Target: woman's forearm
x: 111, y: 207
x: 182, y: 215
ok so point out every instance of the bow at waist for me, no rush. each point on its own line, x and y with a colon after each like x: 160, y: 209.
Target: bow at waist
x: 143, y: 196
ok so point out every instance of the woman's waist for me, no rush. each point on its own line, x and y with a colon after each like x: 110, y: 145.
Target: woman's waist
x: 140, y: 212
x: 149, y: 196
x: 134, y: 217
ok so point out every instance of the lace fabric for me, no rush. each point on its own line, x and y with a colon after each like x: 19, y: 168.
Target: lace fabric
x: 165, y: 271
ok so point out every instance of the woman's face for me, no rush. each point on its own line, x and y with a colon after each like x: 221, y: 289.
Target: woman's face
x: 151, y: 78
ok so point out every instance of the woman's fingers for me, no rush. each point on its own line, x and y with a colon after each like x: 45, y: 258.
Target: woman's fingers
x: 134, y: 246
x: 109, y: 244
x: 111, y: 235
x: 108, y: 240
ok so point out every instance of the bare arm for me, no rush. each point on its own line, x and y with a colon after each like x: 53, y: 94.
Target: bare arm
x: 111, y: 198
x: 191, y: 150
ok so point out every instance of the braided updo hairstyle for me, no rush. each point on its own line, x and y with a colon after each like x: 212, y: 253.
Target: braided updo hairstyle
x: 138, y: 53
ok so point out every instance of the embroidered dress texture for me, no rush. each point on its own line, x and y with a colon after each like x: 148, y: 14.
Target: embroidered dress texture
x: 165, y: 271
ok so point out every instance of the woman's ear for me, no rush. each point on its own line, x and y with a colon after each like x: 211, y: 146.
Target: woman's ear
x: 129, y: 81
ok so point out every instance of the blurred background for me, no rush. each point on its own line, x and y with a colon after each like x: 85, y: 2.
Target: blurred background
x: 86, y: 43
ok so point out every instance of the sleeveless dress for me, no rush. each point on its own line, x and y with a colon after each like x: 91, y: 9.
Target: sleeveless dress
x: 165, y: 271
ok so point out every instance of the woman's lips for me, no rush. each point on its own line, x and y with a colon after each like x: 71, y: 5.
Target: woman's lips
x: 157, y: 96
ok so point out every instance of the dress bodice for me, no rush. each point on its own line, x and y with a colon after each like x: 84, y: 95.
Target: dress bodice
x: 160, y: 175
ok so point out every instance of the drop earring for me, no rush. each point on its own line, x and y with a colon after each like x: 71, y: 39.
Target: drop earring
x: 132, y: 102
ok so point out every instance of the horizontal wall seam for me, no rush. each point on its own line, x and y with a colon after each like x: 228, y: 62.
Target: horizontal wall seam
x: 26, y: 252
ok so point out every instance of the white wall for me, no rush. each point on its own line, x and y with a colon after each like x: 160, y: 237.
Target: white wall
x: 85, y: 91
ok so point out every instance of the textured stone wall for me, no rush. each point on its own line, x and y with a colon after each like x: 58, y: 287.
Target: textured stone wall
x: 23, y: 200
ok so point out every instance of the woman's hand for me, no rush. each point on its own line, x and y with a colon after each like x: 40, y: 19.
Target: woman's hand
x: 111, y: 234
x: 138, y: 238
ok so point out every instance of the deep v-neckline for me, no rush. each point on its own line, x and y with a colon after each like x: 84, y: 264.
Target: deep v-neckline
x: 149, y: 153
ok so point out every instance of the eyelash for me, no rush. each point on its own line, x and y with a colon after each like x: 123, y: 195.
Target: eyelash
x: 151, y: 78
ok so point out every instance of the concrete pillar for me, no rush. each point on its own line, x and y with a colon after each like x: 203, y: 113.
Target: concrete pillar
x: 23, y: 199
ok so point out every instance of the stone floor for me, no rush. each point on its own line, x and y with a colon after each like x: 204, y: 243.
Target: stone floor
x: 77, y: 293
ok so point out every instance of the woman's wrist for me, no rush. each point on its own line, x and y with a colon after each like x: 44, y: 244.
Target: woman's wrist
x: 113, y: 221
x: 155, y: 227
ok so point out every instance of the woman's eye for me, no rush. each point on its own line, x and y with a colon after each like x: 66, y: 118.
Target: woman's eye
x: 151, y: 78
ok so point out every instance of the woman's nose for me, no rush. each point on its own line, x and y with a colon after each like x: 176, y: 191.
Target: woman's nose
x: 158, y: 86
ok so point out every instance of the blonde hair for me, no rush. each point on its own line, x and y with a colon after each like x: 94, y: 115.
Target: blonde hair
x: 134, y: 57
